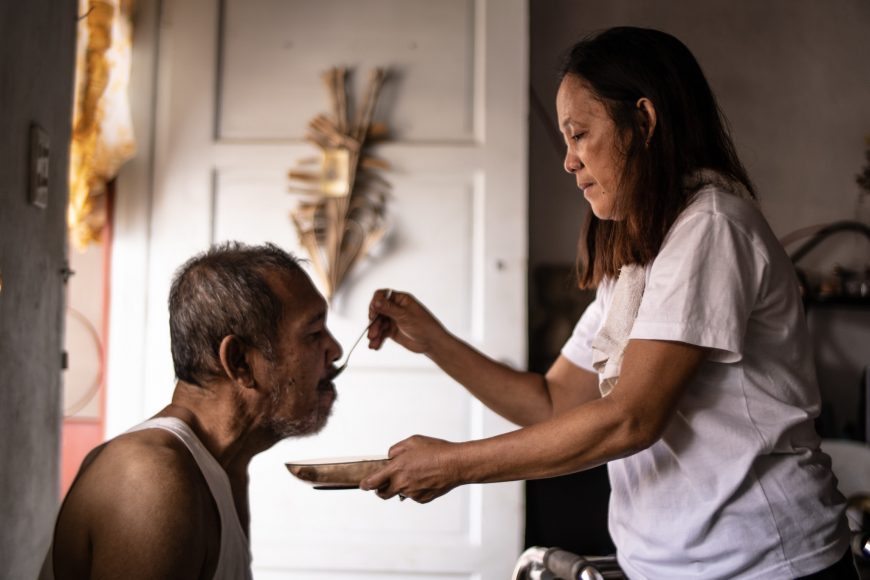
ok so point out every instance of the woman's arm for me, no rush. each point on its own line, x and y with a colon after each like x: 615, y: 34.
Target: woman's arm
x: 628, y: 420
x: 524, y: 398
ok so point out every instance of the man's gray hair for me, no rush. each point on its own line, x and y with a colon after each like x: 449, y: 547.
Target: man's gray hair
x: 220, y: 292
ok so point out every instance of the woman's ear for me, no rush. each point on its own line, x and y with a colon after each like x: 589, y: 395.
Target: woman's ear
x: 648, y: 112
x: 234, y: 359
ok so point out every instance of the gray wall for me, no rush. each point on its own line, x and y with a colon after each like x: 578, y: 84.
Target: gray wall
x: 792, y: 76
x: 37, y: 40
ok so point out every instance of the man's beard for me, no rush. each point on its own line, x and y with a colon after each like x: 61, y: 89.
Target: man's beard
x: 311, y: 424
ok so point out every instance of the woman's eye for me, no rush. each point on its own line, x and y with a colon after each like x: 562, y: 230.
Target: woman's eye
x: 577, y: 136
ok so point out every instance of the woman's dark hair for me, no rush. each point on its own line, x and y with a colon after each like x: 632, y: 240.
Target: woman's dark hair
x: 220, y: 292
x: 620, y: 66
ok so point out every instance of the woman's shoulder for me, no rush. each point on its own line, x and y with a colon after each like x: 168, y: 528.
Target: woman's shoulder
x: 725, y: 203
x: 714, y: 194
x: 715, y: 218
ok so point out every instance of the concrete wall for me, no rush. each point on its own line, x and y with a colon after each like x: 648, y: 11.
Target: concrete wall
x: 792, y: 76
x: 37, y: 41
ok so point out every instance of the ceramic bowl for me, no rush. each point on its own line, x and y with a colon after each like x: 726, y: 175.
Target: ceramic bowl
x: 336, y: 472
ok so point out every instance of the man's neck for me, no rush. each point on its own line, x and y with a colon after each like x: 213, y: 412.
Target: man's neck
x: 221, y: 422
x: 224, y: 430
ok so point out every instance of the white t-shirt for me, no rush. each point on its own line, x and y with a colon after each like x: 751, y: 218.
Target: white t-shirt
x: 736, y: 487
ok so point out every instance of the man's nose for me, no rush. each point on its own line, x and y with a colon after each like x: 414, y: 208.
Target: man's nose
x: 333, y: 351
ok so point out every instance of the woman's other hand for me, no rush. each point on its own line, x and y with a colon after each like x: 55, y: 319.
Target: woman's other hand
x: 400, y: 316
x: 421, y: 468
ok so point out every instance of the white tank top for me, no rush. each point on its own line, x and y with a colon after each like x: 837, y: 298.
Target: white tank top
x: 234, y: 560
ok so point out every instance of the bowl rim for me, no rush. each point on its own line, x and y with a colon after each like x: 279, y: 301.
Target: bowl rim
x: 336, y: 460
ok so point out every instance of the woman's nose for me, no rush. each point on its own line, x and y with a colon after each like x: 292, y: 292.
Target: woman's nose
x: 572, y: 163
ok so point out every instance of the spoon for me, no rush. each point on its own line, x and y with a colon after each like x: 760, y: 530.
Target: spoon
x: 365, y: 331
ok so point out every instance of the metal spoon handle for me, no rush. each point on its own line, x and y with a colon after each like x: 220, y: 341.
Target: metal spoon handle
x: 364, y: 332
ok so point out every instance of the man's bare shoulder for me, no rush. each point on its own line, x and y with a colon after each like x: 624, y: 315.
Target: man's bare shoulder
x: 151, y: 461
x: 144, y: 508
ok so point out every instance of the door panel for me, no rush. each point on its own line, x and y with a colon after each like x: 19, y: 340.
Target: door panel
x: 274, y: 52
x: 434, y: 232
x: 237, y: 83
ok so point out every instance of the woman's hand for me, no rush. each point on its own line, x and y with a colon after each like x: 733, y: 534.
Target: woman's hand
x: 421, y: 468
x: 400, y: 316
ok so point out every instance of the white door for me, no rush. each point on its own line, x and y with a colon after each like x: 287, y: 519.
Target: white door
x: 237, y: 82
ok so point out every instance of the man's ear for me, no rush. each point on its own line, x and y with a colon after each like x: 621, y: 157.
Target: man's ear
x: 234, y: 359
x: 648, y: 112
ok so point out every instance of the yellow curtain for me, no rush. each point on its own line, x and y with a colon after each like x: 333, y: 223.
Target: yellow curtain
x: 102, y: 135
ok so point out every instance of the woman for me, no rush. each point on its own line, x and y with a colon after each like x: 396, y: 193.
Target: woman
x: 690, y: 374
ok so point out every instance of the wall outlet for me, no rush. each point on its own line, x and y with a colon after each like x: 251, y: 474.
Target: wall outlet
x: 39, y: 154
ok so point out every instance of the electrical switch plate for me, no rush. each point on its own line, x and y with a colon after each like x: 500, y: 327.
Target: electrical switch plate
x: 39, y: 153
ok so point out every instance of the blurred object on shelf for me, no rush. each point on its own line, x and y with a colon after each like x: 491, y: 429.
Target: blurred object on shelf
x: 837, y: 303
x: 842, y: 284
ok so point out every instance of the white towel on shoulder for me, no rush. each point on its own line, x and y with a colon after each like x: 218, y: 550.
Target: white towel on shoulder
x: 609, y: 346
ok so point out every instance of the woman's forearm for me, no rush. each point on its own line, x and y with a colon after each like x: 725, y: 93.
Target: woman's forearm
x: 631, y: 418
x: 519, y: 396
x: 584, y: 437
x: 590, y: 432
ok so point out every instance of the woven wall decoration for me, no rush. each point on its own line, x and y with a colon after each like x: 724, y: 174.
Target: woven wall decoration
x: 343, y: 213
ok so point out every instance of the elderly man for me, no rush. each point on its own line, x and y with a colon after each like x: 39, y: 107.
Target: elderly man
x: 255, y: 362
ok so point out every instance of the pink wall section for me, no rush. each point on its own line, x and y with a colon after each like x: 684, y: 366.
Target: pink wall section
x: 80, y: 434
x: 78, y: 437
